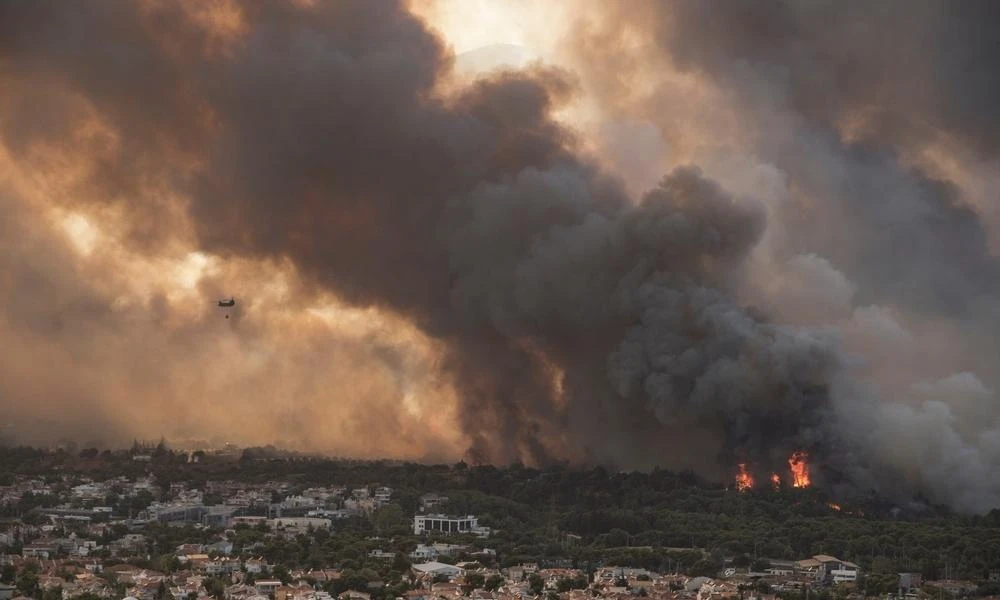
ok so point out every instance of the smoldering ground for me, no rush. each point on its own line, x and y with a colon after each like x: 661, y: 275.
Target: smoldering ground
x: 545, y: 313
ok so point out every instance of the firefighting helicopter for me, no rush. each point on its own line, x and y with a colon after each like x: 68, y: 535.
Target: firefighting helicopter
x: 227, y: 304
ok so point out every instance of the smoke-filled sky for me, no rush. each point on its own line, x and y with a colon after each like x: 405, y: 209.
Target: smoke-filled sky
x: 647, y: 233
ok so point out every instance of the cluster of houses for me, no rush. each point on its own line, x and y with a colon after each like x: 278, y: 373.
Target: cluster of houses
x: 82, y: 545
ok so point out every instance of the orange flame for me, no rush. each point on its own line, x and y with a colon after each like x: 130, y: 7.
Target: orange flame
x: 800, y: 469
x: 744, y: 480
x: 775, y: 480
x: 834, y: 506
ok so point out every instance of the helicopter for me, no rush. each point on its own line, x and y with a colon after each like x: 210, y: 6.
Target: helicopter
x: 227, y: 304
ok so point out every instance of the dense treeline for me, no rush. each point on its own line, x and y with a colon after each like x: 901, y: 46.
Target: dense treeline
x: 660, y: 520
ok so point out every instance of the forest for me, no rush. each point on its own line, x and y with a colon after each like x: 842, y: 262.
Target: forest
x: 572, y: 516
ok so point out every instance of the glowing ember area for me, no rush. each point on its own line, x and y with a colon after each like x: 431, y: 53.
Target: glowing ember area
x: 834, y: 506
x: 775, y: 480
x: 744, y: 480
x: 800, y: 469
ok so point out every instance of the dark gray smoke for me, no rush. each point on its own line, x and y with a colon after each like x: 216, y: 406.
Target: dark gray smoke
x: 579, y: 323
x: 871, y: 125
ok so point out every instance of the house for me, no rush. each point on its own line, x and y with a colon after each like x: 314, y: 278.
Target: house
x: 436, y: 568
x: 383, y: 495
x: 429, y: 501
x: 255, y: 565
x: 39, y: 549
x: 448, y: 549
x: 519, y: 572
x: 829, y: 569
x: 221, y: 566
x: 424, y: 553
x: 224, y: 547
x: 187, y: 549
x: 293, y: 593
x: 267, y: 586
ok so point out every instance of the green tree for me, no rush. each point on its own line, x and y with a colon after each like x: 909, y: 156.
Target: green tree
x: 27, y: 584
x: 281, y: 574
x: 473, y: 581
x: 576, y: 583
x: 390, y: 519
x: 54, y: 593
x: 215, y: 587
x: 400, y: 563
x: 760, y: 565
x: 536, y: 583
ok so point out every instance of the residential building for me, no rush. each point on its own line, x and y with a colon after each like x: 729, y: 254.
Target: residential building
x: 444, y: 524
x: 829, y: 569
x: 424, y: 553
x: 383, y: 495
x: 267, y: 586
x: 437, y: 568
x: 429, y: 501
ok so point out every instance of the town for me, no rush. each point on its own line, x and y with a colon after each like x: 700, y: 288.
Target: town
x: 69, y: 534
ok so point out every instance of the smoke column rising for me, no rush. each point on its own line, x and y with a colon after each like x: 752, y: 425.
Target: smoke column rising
x: 320, y: 150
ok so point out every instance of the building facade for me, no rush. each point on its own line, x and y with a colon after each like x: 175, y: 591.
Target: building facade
x: 444, y: 524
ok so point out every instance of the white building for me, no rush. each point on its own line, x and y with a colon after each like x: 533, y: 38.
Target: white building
x: 299, y: 502
x: 298, y: 523
x: 424, y: 553
x: 383, y: 495
x: 436, y: 568
x: 829, y: 569
x: 445, y: 524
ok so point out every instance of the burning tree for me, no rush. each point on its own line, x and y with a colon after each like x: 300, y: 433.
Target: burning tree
x: 744, y: 480
x: 799, y: 465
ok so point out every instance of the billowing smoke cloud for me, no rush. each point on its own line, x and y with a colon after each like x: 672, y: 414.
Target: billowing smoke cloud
x: 320, y: 150
x: 865, y: 129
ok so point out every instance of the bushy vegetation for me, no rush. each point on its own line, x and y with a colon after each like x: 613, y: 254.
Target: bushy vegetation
x: 574, y: 517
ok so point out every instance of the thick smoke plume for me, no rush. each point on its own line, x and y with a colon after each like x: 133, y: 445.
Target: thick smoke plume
x: 491, y: 289
x: 866, y: 130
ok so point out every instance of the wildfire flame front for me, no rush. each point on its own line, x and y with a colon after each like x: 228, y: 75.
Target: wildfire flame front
x: 800, y: 469
x: 744, y: 480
